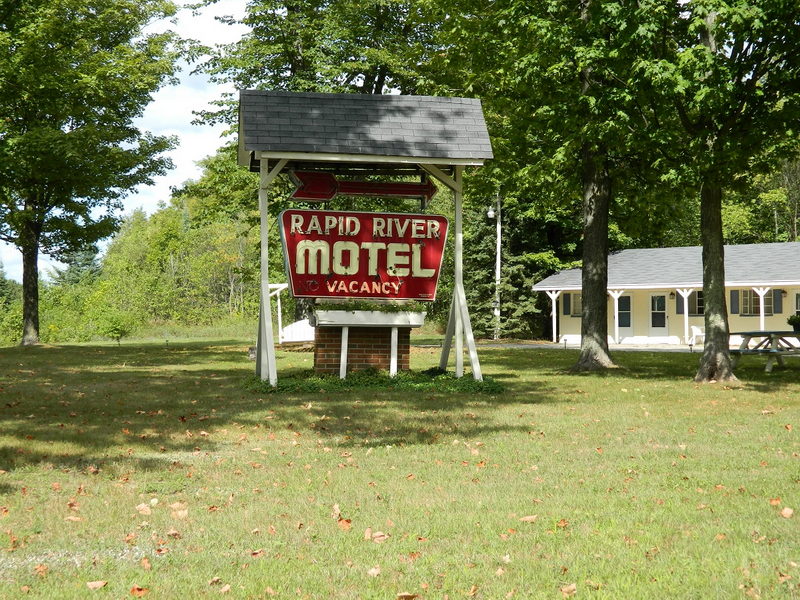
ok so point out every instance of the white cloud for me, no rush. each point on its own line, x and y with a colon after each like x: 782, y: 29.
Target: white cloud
x: 171, y: 113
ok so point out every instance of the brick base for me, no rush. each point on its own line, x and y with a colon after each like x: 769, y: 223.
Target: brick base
x: 367, y: 348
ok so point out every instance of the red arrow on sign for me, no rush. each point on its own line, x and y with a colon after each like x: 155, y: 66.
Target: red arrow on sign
x: 316, y: 185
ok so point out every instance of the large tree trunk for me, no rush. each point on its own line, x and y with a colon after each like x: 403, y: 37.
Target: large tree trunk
x: 715, y: 364
x: 594, y: 282
x: 30, y: 292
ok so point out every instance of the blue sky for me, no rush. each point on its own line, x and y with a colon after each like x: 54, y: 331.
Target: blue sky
x: 170, y: 113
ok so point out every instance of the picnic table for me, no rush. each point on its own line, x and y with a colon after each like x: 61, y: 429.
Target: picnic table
x: 775, y: 345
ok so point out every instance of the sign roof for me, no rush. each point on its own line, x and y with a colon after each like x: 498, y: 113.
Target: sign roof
x: 421, y: 127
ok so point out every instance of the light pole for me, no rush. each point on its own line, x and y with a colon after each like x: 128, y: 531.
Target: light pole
x: 495, y: 214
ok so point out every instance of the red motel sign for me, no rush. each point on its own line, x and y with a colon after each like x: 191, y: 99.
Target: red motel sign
x: 337, y: 254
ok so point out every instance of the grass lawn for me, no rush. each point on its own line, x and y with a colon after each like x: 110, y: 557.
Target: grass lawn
x: 154, y: 469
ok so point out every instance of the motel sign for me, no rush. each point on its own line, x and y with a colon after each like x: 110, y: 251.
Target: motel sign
x: 363, y: 255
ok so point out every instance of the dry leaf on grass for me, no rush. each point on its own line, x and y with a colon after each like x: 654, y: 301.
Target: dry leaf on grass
x: 787, y: 512
x: 529, y: 518
x: 144, y: 509
x: 569, y: 590
x: 374, y: 571
x: 96, y: 585
x: 138, y: 591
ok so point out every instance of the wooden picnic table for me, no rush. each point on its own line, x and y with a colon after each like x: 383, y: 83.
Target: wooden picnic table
x: 775, y: 345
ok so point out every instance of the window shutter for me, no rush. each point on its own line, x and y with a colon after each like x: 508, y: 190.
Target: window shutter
x: 567, y: 308
x: 734, y: 302
x: 777, y: 301
x: 679, y: 304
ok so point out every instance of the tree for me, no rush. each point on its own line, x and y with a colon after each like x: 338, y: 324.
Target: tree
x: 570, y: 117
x: 733, y: 85
x: 74, y: 75
x: 355, y: 46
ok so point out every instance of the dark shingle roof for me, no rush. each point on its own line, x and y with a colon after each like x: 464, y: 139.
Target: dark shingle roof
x: 745, y: 265
x: 363, y: 124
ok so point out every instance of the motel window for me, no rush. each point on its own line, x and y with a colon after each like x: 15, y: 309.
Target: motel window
x: 797, y: 303
x: 696, y: 304
x: 576, y: 307
x: 750, y: 303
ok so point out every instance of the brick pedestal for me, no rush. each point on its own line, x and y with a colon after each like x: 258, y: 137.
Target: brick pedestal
x: 368, y: 348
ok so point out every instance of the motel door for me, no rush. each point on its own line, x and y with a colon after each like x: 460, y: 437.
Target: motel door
x: 658, y: 315
x: 625, y: 317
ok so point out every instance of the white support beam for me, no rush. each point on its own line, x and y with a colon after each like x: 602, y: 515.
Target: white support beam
x: 265, y: 347
x: 761, y: 291
x: 554, y: 294
x: 459, y: 324
x: 343, y: 352
x: 615, y: 294
x: 685, y: 293
x: 454, y: 184
x: 448, y: 335
x: 272, y: 173
x: 393, y: 355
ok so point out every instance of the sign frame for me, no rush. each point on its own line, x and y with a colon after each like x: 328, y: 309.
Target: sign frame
x: 381, y: 285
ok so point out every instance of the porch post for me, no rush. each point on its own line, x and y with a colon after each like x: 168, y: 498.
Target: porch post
x: 761, y: 293
x: 685, y: 293
x: 615, y: 294
x: 554, y: 294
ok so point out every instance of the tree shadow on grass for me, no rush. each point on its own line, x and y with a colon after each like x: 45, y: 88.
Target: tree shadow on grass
x: 142, y: 408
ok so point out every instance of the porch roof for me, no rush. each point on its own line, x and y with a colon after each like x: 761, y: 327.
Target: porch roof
x: 746, y: 265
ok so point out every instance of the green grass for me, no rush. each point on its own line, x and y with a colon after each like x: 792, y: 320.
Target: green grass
x: 642, y: 483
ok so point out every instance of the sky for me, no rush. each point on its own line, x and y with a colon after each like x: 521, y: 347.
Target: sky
x: 170, y: 113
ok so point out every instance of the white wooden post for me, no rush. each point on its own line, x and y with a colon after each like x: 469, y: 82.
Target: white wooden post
x: 393, y: 356
x: 554, y: 294
x: 343, y: 352
x: 615, y: 294
x: 761, y: 293
x: 280, y: 317
x: 459, y: 324
x: 685, y: 293
x: 265, y: 347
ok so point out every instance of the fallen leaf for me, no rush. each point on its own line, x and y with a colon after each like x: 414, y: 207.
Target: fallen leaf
x: 406, y: 596
x: 337, y: 513
x: 144, y: 509
x: 96, y: 585
x: 138, y: 591
x: 145, y: 562
x: 787, y: 512
x: 41, y: 570
x: 344, y: 524
x: 225, y: 589
x: 774, y: 501
x: 500, y: 571
x: 180, y: 514
x: 215, y: 581
x: 473, y: 590
x: 562, y: 523
x: 720, y: 536
x: 368, y: 533
x: 73, y: 519
x: 788, y: 427
x: 569, y: 590
x: 174, y: 534
x: 529, y: 518
x: 374, y: 571
x: 379, y: 537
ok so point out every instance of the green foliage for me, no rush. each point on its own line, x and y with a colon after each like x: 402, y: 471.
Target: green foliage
x: 432, y: 380
x: 74, y: 75
x: 361, y: 46
x: 115, y: 324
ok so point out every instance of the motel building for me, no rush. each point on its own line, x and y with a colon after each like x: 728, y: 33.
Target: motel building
x: 655, y: 295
